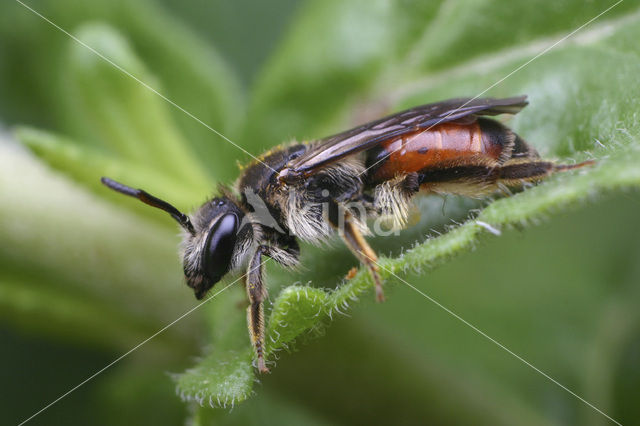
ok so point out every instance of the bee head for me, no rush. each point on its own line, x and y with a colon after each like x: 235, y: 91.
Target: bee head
x: 210, y: 241
x: 214, y: 246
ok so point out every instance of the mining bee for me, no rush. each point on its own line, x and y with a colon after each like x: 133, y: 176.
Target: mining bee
x: 312, y: 190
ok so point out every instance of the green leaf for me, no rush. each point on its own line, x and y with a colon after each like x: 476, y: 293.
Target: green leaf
x: 310, y: 77
x: 61, y: 235
x: 272, y: 409
x: 367, y: 49
x: 218, y: 382
x: 87, y: 165
x: 573, y: 110
x: 120, y: 112
x: 300, y: 309
x: 467, y: 29
x: 195, y: 77
x: 189, y: 72
x: 41, y: 305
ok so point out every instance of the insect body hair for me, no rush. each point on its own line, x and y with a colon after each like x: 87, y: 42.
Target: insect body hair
x: 307, y: 203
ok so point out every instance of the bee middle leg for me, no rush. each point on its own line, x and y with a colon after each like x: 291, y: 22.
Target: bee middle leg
x: 344, y: 222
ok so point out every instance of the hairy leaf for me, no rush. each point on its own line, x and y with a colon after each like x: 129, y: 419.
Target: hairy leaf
x: 575, y: 113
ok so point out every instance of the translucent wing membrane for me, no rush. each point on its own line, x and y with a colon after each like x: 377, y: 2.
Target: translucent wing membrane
x: 367, y: 136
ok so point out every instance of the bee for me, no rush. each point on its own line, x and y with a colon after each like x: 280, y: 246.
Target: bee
x: 313, y: 190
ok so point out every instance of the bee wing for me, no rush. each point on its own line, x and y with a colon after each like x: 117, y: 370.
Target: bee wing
x: 333, y: 148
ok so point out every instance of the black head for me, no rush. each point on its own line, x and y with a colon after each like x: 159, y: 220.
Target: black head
x: 216, y: 245
x: 211, y: 242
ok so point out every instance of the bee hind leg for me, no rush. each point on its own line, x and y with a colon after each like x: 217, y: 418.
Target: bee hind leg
x: 518, y: 171
x: 350, y: 233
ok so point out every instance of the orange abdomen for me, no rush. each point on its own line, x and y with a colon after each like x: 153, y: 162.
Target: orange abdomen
x: 441, y: 145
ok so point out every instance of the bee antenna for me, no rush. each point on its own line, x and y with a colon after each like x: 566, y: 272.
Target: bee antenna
x: 149, y: 199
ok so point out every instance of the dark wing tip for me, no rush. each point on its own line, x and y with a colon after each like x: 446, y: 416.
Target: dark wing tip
x: 512, y: 101
x: 520, y: 100
x: 493, y: 106
x: 517, y: 101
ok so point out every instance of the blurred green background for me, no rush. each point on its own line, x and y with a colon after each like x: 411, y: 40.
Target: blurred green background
x: 86, y: 275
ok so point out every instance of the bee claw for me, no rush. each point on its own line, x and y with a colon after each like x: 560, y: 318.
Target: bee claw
x: 262, y: 367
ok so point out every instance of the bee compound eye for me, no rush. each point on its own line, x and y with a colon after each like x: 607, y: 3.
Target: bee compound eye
x: 218, y: 248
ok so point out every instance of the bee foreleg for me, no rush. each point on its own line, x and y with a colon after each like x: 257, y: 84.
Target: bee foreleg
x: 344, y: 222
x: 257, y: 292
x: 285, y: 251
